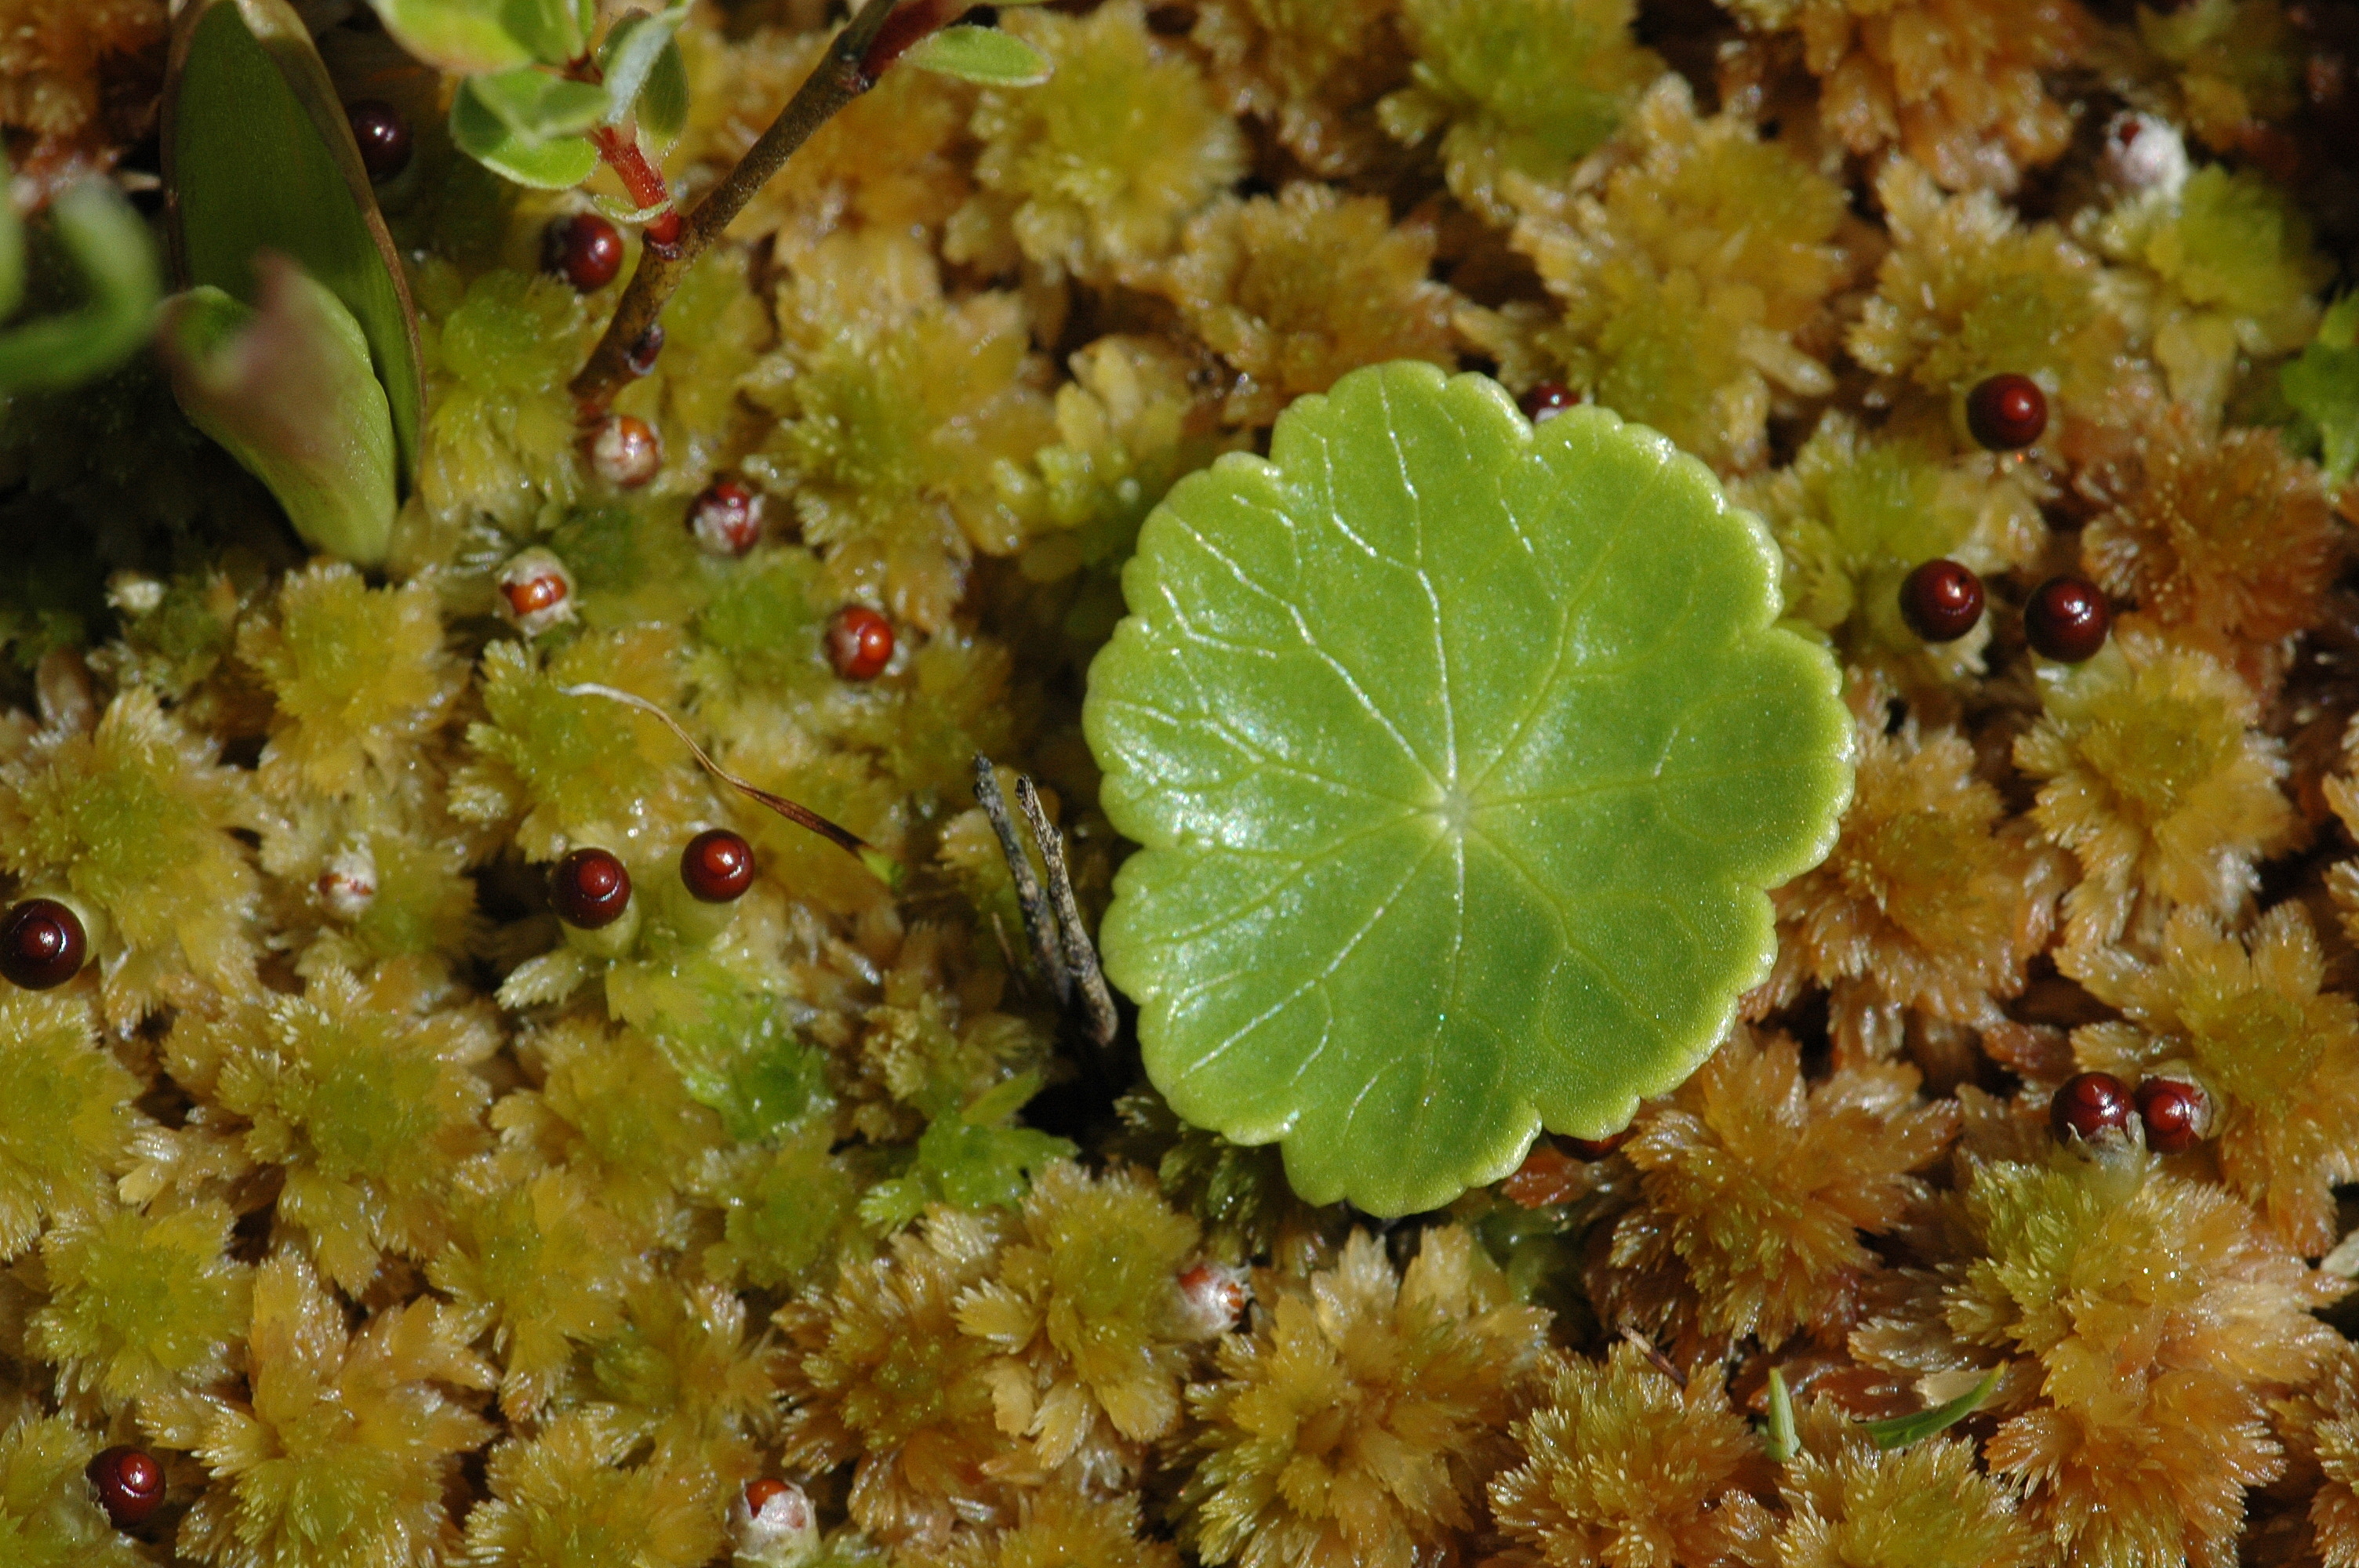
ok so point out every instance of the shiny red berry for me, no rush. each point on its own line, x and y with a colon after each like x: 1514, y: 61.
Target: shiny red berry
x: 2067, y: 619
x: 2088, y: 1105
x: 585, y: 250
x: 726, y: 518
x: 383, y: 135
x: 717, y: 866
x: 859, y: 643
x: 1941, y: 600
x: 42, y: 944
x: 759, y: 1493
x: 590, y: 889
x: 2178, y: 1114
x: 2007, y: 412
x: 626, y: 451
x: 130, y: 1484
x: 1544, y: 400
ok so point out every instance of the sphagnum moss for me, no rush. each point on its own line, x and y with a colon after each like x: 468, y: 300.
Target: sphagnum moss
x: 405, y: 1222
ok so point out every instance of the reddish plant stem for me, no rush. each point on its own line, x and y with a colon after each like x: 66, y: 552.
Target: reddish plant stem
x: 841, y: 75
x: 644, y: 183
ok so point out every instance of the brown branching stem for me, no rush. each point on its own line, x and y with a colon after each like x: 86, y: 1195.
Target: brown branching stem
x: 843, y: 75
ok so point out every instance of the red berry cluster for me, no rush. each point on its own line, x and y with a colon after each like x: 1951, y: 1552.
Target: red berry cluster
x: 2174, y: 1112
x: 2066, y: 618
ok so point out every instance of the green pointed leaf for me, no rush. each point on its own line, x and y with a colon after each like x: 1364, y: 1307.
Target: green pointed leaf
x: 12, y: 248
x: 479, y: 132
x: 979, y: 54
x: 629, y: 55
x: 1780, y: 1440
x: 117, y: 261
x: 1901, y: 1430
x: 537, y: 106
x: 260, y: 155
x: 662, y: 106
x: 1461, y: 754
x: 288, y: 391
x: 465, y: 38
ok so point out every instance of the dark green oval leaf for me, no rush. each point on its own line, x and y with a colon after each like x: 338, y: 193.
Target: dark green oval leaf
x: 258, y: 155
x: 1461, y: 754
x: 557, y: 165
x: 117, y: 261
x: 979, y: 54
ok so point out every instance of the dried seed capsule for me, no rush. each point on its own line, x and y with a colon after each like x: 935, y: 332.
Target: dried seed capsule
x: 717, y: 866
x: 1215, y: 1295
x: 625, y: 451
x: 2007, y: 412
x: 1544, y: 400
x: 2177, y: 1113
x: 590, y: 889
x: 859, y: 643
x: 726, y: 518
x: 2067, y: 619
x: 2089, y: 1104
x: 536, y: 591
x: 42, y: 944
x: 383, y: 135
x: 1941, y: 600
x: 130, y: 1484
x: 585, y: 250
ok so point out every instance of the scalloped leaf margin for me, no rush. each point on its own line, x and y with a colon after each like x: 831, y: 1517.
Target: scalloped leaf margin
x: 1460, y: 755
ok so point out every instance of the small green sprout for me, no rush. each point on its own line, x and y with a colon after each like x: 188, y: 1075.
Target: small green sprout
x: 2323, y: 385
x: 110, y: 250
x: 1780, y: 1440
x: 1462, y: 753
x: 1901, y: 1430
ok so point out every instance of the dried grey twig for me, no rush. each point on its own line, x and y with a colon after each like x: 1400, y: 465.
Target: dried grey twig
x: 1052, y: 918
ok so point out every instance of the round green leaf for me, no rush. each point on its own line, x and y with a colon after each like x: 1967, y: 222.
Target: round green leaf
x: 555, y: 165
x: 1461, y: 754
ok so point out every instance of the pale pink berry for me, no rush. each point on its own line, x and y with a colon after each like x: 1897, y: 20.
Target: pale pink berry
x: 1215, y: 1295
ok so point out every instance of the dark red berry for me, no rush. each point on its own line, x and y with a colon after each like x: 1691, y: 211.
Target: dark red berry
x: 590, y: 888
x: 130, y: 1484
x: 2090, y: 1104
x: 383, y: 135
x: 585, y: 250
x: 1941, y: 600
x: 641, y: 357
x: 2067, y: 619
x: 859, y: 643
x: 1544, y: 400
x: 42, y: 944
x: 2178, y: 1114
x: 2007, y: 412
x: 717, y: 866
x: 726, y: 518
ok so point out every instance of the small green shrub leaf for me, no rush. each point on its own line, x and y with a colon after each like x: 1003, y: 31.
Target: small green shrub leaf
x: 465, y: 38
x: 2321, y: 384
x: 1460, y: 754
x: 629, y: 54
x: 662, y: 106
x: 117, y: 262
x: 258, y: 155
x: 477, y: 131
x: 1901, y: 1430
x: 536, y: 106
x: 979, y: 54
